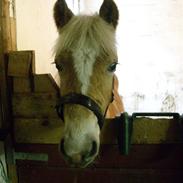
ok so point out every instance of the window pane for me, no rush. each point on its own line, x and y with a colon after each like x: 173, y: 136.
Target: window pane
x: 150, y: 49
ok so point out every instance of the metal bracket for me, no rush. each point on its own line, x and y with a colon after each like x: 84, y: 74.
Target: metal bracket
x: 125, y: 127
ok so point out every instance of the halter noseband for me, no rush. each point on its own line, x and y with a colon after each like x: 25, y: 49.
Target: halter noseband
x: 75, y: 98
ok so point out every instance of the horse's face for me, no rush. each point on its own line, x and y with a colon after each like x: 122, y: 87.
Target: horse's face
x: 86, y: 59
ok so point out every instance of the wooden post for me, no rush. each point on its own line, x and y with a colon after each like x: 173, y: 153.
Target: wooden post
x: 7, y: 43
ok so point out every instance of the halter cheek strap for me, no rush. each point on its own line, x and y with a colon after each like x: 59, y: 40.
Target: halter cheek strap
x: 75, y: 98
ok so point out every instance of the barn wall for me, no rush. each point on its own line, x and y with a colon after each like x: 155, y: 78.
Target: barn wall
x: 7, y: 43
x: 36, y: 30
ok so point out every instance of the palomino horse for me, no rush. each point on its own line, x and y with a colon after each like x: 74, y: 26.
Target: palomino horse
x: 86, y: 58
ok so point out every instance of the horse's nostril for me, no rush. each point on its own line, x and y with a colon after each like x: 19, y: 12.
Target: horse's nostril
x: 93, y: 149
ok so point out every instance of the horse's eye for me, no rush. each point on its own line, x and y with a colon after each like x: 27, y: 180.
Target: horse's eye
x: 112, y: 67
x: 59, y: 67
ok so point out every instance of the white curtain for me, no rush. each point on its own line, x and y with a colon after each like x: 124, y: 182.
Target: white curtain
x: 150, y: 37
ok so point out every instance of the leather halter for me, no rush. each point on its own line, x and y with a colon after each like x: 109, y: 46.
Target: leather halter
x: 75, y: 98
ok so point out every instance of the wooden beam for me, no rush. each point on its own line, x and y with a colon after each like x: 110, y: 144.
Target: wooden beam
x: 46, y: 130
x: 35, y: 105
x: 43, y: 83
x: 21, y: 63
x: 49, y: 130
x: 154, y: 156
x: 7, y: 43
x: 38, y: 174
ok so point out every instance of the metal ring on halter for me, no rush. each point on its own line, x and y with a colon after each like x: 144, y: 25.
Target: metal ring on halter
x: 75, y: 98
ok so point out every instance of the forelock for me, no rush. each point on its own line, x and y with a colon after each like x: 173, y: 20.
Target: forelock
x: 88, y: 32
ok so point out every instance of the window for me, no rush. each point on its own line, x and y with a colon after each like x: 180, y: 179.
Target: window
x: 150, y: 37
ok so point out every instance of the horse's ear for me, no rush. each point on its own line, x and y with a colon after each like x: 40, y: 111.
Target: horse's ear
x: 109, y: 12
x: 62, y: 14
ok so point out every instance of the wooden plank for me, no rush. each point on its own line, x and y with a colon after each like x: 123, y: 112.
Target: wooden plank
x: 156, y: 131
x: 7, y: 43
x: 148, y: 156
x: 45, y: 83
x: 13, y: 31
x: 38, y: 174
x: 12, y: 174
x: 49, y: 131
x: 43, y: 130
x: 21, y: 63
x: 8, y: 25
x: 1, y: 115
x: 21, y: 85
x: 161, y: 156
x: 145, y: 163
x: 42, y: 83
x: 144, y: 132
x: 34, y: 105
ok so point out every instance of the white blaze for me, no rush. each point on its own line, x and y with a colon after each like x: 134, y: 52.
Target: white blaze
x: 84, y: 60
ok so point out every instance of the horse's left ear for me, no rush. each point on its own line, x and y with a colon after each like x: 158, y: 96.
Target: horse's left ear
x: 62, y: 14
x: 109, y: 12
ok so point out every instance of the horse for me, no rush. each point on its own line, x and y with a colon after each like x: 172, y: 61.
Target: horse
x: 86, y: 59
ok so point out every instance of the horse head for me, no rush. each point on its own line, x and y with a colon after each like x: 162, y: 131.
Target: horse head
x: 86, y: 58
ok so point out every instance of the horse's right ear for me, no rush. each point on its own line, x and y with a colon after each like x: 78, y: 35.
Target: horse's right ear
x: 62, y: 14
x: 109, y: 12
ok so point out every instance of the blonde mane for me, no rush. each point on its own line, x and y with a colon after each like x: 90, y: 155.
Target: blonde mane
x: 87, y: 32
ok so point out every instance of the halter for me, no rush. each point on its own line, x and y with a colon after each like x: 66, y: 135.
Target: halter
x: 75, y: 98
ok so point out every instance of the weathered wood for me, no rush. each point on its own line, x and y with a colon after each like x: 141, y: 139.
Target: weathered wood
x: 161, y: 156
x: 42, y: 83
x: 45, y: 83
x: 50, y: 131
x: 21, y: 63
x: 34, y: 105
x: 109, y: 131
x: 22, y: 85
x: 8, y: 23
x: 7, y: 43
x: 12, y: 172
x: 156, y: 131
x: 1, y: 116
x: 145, y: 163
x: 13, y: 32
x: 145, y: 131
x: 43, y: 130
x: 39, y: 174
